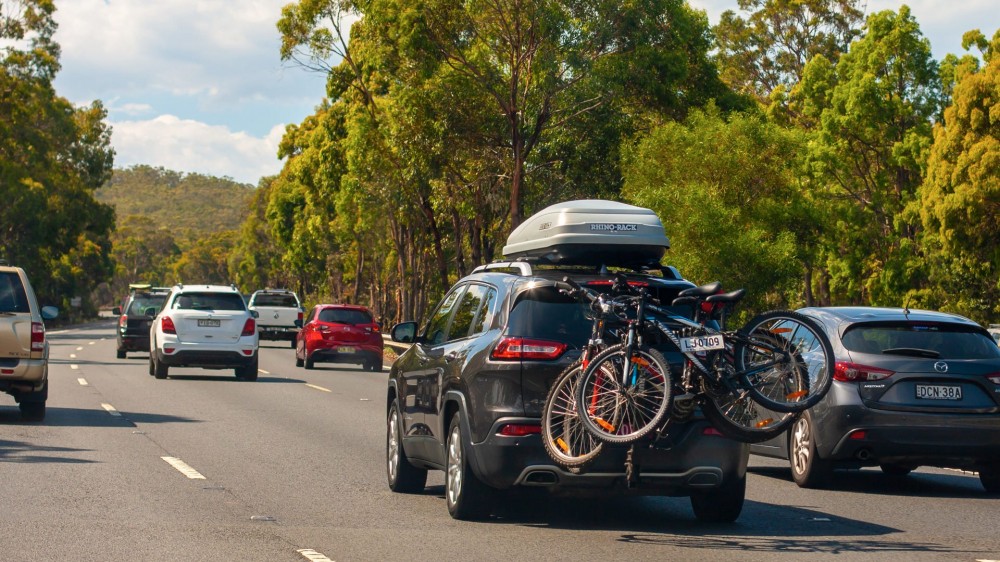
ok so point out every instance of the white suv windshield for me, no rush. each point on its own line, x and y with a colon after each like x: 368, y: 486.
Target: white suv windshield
x: 208, y: 301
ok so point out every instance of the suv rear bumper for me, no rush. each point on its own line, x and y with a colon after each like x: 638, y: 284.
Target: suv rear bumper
x: 277, y: 333
x: 686, y: 460
x: 23, y: 375
x: 206, y: 359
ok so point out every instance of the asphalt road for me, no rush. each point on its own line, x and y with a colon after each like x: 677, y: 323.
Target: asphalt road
x: 291, y: 467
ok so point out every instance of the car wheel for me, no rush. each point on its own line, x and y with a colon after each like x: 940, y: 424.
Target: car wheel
x: 293, y: 344
x: 403, y: 477
x: 298, y: 362
x: 376, y: 366
x: 32, y: 404
x: 120, y: 354
x: 248, y: 372
x: 160, y: 370
x: 898, y: 470
x: 722, y: 504
x: 808, y: 469
x: 990, y: 478
x: 309, y: 362
x: 467, y: 497
x: 151, y: 366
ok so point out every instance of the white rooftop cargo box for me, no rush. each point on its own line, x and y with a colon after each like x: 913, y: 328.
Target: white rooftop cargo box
x: 590, y: 232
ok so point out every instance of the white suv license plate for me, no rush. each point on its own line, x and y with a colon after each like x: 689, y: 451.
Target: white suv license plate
x: 702, y: 343
x: 939, y: 392
x: 209, y: 323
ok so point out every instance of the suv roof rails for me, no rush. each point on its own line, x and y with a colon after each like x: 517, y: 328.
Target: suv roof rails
x: 523, y: 268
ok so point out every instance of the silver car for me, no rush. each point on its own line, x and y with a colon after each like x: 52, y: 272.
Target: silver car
x: 911, y: 388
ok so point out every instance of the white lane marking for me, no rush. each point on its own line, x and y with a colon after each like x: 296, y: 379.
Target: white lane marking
x: 312, y: 555
x: 79, y: 349
x: 92, y: 343
x: 72, y: 356
x: 83, y: 382
x: 111, y: 409
x: 318, y: 387
x: 74, y: 367
x: 263, y: 371
x: 183, y: 468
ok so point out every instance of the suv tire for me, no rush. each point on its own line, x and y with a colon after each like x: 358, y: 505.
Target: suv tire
x: 403, y: 477
x: 808, y: 470
x: 293, y: 344
x: 722, y: 504
x: 467, y: 497
x: 120, y: 354
x: 990, y: 479
x: 32, y: 404
x: 248, y: 372
x: 160, y: 370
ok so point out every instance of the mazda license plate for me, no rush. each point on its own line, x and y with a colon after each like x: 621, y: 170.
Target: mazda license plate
x: 939, y: 392
x: 209, y: 323
x: 348, y: 350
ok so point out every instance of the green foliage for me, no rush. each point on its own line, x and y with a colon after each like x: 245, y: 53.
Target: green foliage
x: 722, y: 189
x: 959, y: 202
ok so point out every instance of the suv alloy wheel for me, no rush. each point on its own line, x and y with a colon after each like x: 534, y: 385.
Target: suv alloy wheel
x: 467, y: 497
x: 402, y: 476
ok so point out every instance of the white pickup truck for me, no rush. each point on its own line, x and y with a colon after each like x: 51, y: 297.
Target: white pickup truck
x: 279, y: 314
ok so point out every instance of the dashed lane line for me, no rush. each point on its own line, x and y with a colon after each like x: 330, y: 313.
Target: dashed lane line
x: 183, y: 468
x: 264, y: 372
x: 79, y: 349
x: 74, y: 367
x: 312, y: 555
x: 318, y: 387
x: 92, y: 343
x: 72, y: 356
x: 83, y: 382
x: 111, y: 409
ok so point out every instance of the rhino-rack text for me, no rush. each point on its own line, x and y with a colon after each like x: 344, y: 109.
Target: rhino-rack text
x: 612, y: 227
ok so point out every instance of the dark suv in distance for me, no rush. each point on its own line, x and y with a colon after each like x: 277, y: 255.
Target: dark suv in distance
x: 467, y: 398
x: 135, y: 316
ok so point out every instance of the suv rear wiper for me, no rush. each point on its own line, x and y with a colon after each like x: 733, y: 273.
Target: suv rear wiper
x: 914, y: 351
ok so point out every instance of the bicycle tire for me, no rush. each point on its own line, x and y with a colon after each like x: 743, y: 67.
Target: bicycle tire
x: 618, y: 415
x: 566, y: 441
x: 803, y: 373
x: 740, y: 418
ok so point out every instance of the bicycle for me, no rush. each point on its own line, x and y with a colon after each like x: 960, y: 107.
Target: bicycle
x: 751, y: 383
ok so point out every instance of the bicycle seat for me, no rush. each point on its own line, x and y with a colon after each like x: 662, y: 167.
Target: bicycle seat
x: 730, y: 297
x: 703, y: 291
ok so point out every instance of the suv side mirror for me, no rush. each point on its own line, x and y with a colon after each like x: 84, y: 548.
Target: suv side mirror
x: 51, y: 312
x: 117, y: 311
x: 404, y: 332
x: 255, y: 314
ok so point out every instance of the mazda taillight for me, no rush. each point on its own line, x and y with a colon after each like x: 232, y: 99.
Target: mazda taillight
x: 167, y: 325
x: 249, y: 327
x: 37, y: 336
x: 853, y: 372
x: 515, y: 349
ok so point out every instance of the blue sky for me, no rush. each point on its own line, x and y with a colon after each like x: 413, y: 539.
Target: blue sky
x: 198, y: 85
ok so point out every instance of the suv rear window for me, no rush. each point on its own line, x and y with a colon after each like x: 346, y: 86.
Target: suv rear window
x: 948, y: 341
x: 345, y: 316
x: 546, y: 314
x: 142, y: 303
x: 209, y: 301
x: 276, y: 299
x: 12, y: 295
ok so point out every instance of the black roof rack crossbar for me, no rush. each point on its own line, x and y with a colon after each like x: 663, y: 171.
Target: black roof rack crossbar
x: 523, y: 268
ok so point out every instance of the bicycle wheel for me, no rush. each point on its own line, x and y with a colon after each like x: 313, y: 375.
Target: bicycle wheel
x: 566, y: 441
x: 739, y: 417
x: 617, y: 411
x: 784, y: 360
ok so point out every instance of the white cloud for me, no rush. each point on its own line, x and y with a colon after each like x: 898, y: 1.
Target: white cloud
x: 190, y: 146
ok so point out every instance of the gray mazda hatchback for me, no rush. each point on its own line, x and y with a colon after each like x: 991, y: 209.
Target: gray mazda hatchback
x: 911, y: 388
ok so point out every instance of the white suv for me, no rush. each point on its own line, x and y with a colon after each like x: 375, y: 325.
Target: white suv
x: 206, y: 326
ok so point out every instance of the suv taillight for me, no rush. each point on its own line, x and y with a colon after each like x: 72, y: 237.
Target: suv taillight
x: 994, y: 378
x: 122, y: 321
x: 853, y: 372
x: 167, y: 325
x: 515, y: 349
x: 37, y: 336
x: 249, y: 327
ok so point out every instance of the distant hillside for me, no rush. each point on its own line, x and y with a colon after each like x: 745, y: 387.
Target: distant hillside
x: 189, y: 205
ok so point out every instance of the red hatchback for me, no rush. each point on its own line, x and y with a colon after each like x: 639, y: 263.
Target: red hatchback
x: 339, y: 333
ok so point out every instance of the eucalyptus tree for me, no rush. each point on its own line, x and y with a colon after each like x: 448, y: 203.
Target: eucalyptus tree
x: 873, y: 111
x: 959, y: 201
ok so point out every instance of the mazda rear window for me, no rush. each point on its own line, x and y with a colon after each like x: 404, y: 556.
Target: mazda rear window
x: 12, y: 295
x: 931, y: 340
x: 345, y: 316
x: 209, y: 301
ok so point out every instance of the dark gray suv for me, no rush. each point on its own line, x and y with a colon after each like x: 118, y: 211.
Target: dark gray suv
x: 467, y: 398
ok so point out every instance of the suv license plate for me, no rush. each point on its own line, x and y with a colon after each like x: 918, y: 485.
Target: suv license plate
x: 209, y: 323
x: 702, y: 343
x: 939, y: 392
